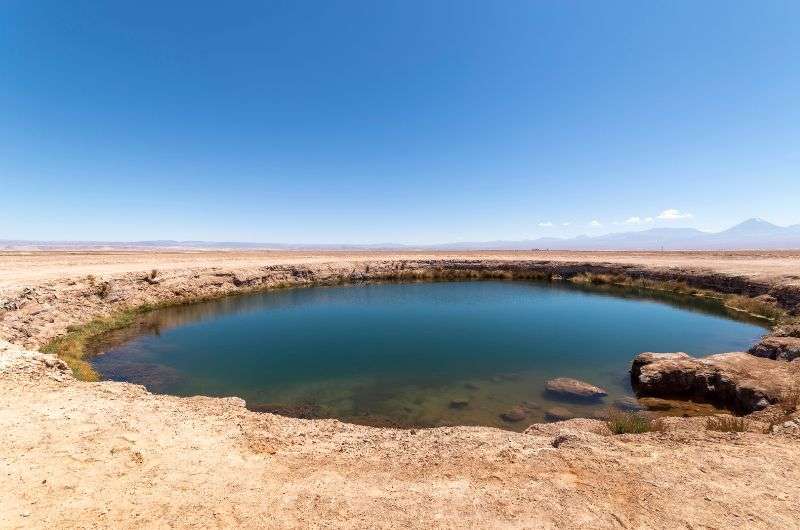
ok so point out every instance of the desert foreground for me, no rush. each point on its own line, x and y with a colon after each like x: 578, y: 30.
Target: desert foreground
x: 76, y: 454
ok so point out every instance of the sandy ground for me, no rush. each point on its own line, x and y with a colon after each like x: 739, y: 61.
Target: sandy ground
x: 85, y: 455
x: 25, y: 268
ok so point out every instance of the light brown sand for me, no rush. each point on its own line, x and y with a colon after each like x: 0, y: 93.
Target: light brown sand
x: 23, y: 268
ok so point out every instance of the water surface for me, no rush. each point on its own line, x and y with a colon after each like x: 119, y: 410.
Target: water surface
x: 416, y: 354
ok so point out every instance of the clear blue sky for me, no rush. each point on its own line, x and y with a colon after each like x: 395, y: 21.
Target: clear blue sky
x: 397, y: 121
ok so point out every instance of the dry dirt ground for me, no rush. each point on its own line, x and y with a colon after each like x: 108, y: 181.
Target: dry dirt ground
x: 84, y: 455
x: 27, y: 267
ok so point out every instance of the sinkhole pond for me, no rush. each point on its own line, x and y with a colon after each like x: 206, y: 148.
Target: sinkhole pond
x: 415, y: 354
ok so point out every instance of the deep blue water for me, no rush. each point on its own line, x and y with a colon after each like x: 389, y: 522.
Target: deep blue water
x: 400, y: 353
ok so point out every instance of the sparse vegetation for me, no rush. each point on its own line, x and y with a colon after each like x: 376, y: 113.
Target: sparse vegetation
x: 641, y: 283
x: 727, y: 424
x: 153, y: 274
x: 72, y: 346
x: 754, y: 307
x: 633, y: 423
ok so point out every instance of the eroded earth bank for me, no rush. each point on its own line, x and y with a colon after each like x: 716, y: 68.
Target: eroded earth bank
x: 96, y: 454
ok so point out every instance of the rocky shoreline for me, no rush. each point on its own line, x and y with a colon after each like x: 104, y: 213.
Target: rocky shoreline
x: 36, y: 315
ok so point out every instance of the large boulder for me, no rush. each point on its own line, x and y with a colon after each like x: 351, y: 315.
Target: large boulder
x: 573, y: 388
x: 736, y: 381
x: 779, y: 348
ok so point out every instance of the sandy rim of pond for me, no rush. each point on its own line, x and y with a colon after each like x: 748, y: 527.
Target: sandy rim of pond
x: 78, y: 454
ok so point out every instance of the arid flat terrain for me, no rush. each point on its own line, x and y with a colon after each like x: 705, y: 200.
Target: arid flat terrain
x: 20, y: 268
x: 87, y: 455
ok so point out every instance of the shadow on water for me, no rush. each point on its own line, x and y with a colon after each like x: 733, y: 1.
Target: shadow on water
x: 420, y: 355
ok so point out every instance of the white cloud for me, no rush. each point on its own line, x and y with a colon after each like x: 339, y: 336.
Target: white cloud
x: 672, y: 214
x: 595, y: 222
x: 636, y: 220
x: 546, y: 223
x: 567, y: 223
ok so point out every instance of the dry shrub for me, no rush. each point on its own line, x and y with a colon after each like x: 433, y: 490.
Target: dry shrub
x: 103, y: 290
x: 633, y: 423
x: 727, y: 424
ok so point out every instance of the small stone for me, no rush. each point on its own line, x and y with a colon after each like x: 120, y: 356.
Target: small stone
x: 558, y: 414
x: 562, y: 439
x: 515, y: 414
x: 762, y: 404
x: 459, y: 403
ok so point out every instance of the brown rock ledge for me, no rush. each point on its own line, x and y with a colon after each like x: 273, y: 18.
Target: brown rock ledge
x: 737, y: 381
x: 778, y: 348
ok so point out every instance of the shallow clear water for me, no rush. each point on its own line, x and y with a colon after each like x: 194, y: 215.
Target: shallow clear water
x: 399, y: 354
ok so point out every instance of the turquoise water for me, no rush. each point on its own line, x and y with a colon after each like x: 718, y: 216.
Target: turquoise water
x: 400, y: 354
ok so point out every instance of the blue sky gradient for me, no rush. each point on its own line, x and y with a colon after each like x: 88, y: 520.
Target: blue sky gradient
x: 401, y: 121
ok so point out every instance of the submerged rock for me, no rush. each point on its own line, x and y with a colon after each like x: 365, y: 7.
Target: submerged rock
x: 558, y: 414
x: 778, y: 348
x: 675, y: 407
x: 656, y: 404
x: 628, y: 404
x: 567, y: 387
x: 515, y: 414
x: 304, y: 411
x: 459, y: 403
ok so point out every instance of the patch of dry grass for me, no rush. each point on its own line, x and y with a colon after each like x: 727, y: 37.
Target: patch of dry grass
x: 751, y: 306
x: 641, y: 283
x: 633, y: 423
x: 72, y: 346
x: 727, y: 424
x: 754, y: 307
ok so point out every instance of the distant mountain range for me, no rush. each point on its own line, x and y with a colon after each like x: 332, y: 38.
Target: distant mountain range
x: 750, y: 235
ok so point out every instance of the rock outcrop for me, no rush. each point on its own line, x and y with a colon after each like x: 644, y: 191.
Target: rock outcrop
x: 737, y: 381
x: 573, y: 388
x: 778, y: 348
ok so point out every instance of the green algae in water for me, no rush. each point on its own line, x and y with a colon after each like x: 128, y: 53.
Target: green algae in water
x: 420, y: 354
